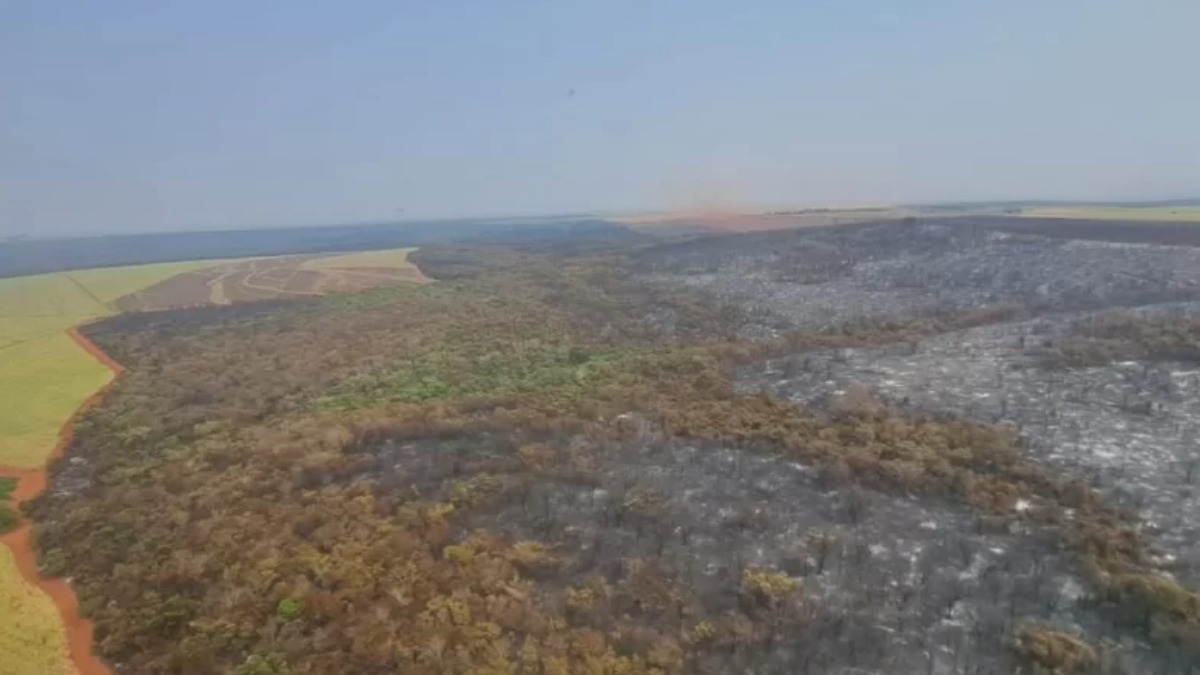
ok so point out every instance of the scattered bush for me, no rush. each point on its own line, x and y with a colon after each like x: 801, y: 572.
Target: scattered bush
x: 581, y: 599
x: 461, y: 555
x: 703, y: 631
x: 53, y: 562
x: 8, y: 519
x: 263, y: 665
x: 1052, y: 652
x: 768, y: 587
x: 289, y: 609
x: 8, y: 485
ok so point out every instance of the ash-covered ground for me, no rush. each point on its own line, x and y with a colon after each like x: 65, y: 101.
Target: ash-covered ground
x: 890, y: 584
x: 1130, y: 428
x: 822, y: 278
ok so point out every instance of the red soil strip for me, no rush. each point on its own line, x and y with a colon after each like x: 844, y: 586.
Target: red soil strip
x: 31, y: 483
x: 98, y: 354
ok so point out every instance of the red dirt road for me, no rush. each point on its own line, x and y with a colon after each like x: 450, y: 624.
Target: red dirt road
x: 31, y: 483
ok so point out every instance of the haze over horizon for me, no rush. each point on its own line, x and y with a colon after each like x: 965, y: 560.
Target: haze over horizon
x: 138, y: 116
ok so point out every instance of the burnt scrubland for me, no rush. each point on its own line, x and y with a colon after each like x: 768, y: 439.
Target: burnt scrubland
x: 884, y: 448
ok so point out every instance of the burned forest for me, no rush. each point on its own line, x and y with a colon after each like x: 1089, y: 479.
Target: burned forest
x: 933, y: 446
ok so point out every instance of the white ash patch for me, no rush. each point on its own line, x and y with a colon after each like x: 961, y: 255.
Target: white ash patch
x: 1131, y: 429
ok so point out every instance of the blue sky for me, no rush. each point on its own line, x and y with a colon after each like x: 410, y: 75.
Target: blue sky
x: 148, y: 115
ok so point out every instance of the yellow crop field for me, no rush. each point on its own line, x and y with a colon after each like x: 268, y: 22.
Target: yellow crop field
x: 393, y: 258
x: 32, y: 638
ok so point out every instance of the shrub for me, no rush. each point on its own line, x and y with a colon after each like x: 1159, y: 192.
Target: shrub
x: 289, y: 609
x: 7, y: 487
x: 1054, y: 652
x: 767, y: 587
x: 8, y: 519
x: 263, y: 665
x: 461, y: 555
x: 704, y: 631
x: 534, y: 557
x: 53, y: 562
x: 536, y: 455
x: 1157, y: 604
x: 474, y: 490
x: 581, y: 599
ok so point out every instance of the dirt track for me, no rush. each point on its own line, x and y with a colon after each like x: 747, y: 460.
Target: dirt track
x: 32, y: 483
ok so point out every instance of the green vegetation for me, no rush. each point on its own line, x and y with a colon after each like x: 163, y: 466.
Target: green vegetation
x: 8, y: 518
x: 7, y: 487
x: 49, y: 378
x: 467, y: 370
x: 289, y: 609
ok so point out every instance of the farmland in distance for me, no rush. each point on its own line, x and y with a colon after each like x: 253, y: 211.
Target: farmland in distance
x: 278, y: 278
x: 1150, y: 213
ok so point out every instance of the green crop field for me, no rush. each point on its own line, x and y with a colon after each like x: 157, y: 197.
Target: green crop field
x: 47, y: 378
x: 44, y: 376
